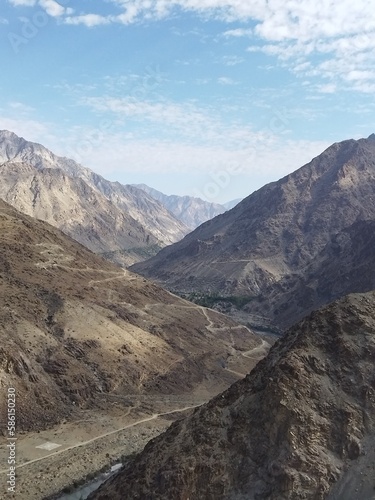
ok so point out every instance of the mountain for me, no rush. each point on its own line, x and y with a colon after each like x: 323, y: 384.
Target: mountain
x: 189, y: 210
x: 76, y: 329
x: 301, y: 425
x: 122, y: 222
x: 276, y: 233
x: 74, y: 207
x: 345, y: 265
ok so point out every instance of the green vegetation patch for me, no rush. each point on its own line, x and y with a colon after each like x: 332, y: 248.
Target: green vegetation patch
x: 211, y: 299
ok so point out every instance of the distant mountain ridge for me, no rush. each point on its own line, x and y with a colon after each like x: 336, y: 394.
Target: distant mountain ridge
x: 275, y: 234
x: 190, y: 210
x: 119, y: 220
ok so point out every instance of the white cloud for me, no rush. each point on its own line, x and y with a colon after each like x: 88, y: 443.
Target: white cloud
x: 89, y: 20
x: 327, y: 88
x: 313, y: 38
x: 52, y: 8
x: 25, y: 3
x: 238, y: 33
x: 232, y: 60
x: 293, y: 31
x: 224, y: 80
x: 112, y: 154
x: 3, y: 20
x: 275, y: 20
x: 202, y: 81
x: 184, y: 119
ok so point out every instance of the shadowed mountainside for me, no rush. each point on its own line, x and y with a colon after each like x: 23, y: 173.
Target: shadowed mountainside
x: 345, y: 265
x: 301, y: 425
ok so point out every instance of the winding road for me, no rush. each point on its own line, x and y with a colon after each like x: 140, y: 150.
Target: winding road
x: 85, y: 443
x: 261, y: 349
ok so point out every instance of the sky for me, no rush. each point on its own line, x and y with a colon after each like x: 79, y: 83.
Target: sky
x: 209, y: 98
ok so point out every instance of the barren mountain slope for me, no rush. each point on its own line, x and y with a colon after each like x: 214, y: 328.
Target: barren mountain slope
x: 300, y: 426
x: 276, y: 232
x: 74, y: 328
x: 190, y: 210
x: 77, y: 209
x: 345, y: 265
x: 156, y: 226
x: 153, y: 216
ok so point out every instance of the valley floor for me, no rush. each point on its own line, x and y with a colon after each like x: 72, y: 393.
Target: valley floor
x: 49, y: 461
x: 53, y: 460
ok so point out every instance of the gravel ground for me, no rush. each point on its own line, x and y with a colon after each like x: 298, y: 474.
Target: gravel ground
x: 63, y: 469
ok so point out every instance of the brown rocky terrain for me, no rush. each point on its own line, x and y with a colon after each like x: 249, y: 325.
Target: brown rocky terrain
x: 345, y: 265
x: 280, y: 232
x: 75, y: 208
x: 301, y: 425
x: 74, y: 327
x: 122, y: 222
x: 101, y: 359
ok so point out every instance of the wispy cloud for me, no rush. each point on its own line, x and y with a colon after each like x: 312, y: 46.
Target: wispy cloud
x: 326, y: 88
x: 30, y: 129
x: 224, y: 80
x: 89, y: 20
x: 23, y: 3
x: 186, y: 119
x: 202, y: 81
x: 232, y: 60
x: 20, y: 107
x: 51, y: 7
x: 238, y: 33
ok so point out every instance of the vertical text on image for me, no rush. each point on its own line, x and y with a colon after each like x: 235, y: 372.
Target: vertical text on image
x: 11, y: 446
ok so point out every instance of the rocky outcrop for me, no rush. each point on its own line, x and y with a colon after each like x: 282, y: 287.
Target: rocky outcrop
x: 299, y: 426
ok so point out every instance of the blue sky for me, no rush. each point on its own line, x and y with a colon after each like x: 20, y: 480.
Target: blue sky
x: 212, y: 98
